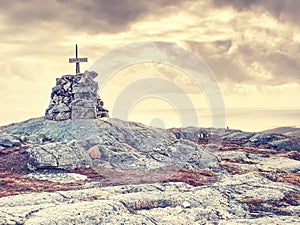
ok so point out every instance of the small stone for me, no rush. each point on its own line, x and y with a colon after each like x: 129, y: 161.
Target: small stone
x: 66, y: 100
x: 23, y: 138
x: 88, y: 95
x: 94, y: 152
x: 83, y: 103
x: 54, y: 100
x: 103, y: 113
x: 186, y: 205
x: 83, y: 113
x: 60, y: 108
x: 91, y: 74
x: 67, y: 86
x: 63, y: 116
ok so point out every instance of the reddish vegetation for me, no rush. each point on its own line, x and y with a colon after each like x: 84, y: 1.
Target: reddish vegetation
x: 13, y: 160
x: 192, y: 177
x: 164, y: 174
x: 13, y: 166
x: 241, y: 161
x: 232, y: 169
x: 292, y: 155
x: 235, y: 147
x: 90, y: 173
x: 285, y: 177
x: 202, y: 141
x: 280, y: 176
x: 292, y: 199
x: 238, y: 146
x: 92, y: 197
x: 276, y: 207
x: 12, y: 184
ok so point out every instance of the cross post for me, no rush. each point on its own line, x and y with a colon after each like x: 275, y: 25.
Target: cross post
x: 77, y: 60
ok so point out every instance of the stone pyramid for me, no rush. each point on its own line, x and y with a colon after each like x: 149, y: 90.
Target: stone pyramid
x: 75, y: 97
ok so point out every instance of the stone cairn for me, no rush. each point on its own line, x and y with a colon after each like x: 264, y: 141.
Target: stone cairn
x: 75, y: 97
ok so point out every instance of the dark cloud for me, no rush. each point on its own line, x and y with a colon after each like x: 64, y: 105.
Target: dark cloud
x: 210, y: 48
x: 235, y: 66
x: 237, y: 4
x: 92, y: 16
x: 285, y: 69
x: 283, y: 10
x: 215, y: 54
x: 221, y: 46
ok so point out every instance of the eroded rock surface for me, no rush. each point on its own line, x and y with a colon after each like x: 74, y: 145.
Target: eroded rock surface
x: 122, y: 145
x: 237, y: 199
x: 120, y: 172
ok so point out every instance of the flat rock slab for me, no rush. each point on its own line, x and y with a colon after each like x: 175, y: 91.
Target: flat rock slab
x: 281, y: 163
x: 58, y: 177
x: 230, y: 201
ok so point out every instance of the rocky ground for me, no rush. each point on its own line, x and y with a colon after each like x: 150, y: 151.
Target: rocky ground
x: 290, y: 131
x: 118, y: 172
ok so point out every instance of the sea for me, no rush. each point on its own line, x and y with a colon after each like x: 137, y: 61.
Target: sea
x: 246, y: 119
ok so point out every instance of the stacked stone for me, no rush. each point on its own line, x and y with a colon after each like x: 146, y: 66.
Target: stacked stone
x: 75, y: 97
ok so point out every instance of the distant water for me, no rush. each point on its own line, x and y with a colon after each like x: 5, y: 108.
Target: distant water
x: 243, y: 119
x: 262, y: 119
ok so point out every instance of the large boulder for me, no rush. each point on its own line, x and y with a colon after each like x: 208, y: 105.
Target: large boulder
x: 263, y: 139
x: 58, y: 156
x: 286, y: 144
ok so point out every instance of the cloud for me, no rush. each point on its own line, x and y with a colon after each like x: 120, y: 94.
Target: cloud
x: 237, y: 4
x: 285, y: 68
x: 241, y: 41
x: 248, y: 62
x: 283, y: 10
x: 93, y: 16
x: 223, y: 65
x: 211, y: 48
x: 88, y: 16
x: 281, y: 65
x: 245, y: 48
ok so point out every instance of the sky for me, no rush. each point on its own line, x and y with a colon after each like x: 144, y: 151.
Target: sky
x: 252, y: 47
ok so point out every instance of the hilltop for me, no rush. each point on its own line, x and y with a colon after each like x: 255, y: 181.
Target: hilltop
x: 289, y: 131
x: 116, y: 172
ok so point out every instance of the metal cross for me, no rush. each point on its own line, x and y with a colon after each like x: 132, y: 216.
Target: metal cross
x: 77, y: 60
